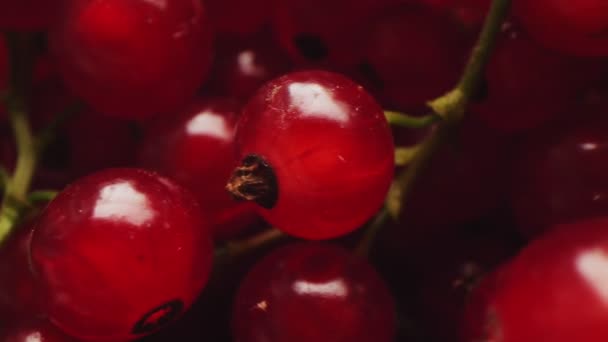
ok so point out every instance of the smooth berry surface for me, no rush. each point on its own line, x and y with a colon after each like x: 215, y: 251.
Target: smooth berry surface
x: 241, y: 17
x: 329, y: 146
x: 555, y: 290
x: 133, y: 58
x: 18, y: 290
x: 322, y: 31
x: 560, y: 175
x: 313, y: 292
x: 527, y: 84
x: 28, y: 15
x: 196, y: 148
x: 119, y: 254
x: 579, y: 28
x: 243, y: 64
x: 19, y: 329
x: 412, y: 54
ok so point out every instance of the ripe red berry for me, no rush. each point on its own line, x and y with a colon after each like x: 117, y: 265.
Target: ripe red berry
x: 18, y: 292
x: 30, y: 15
x: 321, y: 31
x: 312, y: 292
x: 412, y: 54
x: 133, y: 58
x: 196, y: 148
x: 243, y: 64
x: 22, y: 329
x: 560, y: 175
x: 578, y: 28
x: 526, y: 84
x: 239, y: 16
x: 119, y: 254
x: 317, y: 154
x: 555, y: 290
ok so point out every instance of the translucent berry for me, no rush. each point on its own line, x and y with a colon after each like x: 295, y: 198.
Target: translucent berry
x: 555, y: 290
x: 133, y: 58
x: 412, y: 55
x: 119, y: 254
x: 312, y: 292
x: 23, y: 329
x: 560, y: 175
x: 243, y: 64
x: 196, y: 148
x: 578, y: 28
x: 317, y: 154
x: 30, y: 15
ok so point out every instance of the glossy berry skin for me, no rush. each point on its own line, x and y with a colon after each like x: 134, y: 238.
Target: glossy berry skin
x: 243, y: 64
x: 329, y: 146
x: 321, y: 31
x: 120, y: 253
x: 133, y: 58
x: 241, y: 17
x: 555, y: 290
x: 18, y: 290
x: 577, y: 28
x: 313, y: 292
x: 22, y: 329
x: 28, y: 15
x: 196, y: 148
x: 527, y: 84
x: 560, y: 177
x: 412, y: 55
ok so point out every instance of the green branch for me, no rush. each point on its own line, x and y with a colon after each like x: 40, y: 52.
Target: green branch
x: 450, y: 108
x: 17, y: 186
x: 408, y: 121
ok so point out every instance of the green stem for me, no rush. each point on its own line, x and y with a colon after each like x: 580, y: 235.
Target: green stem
x: 408, y: 121
x: 42, y: 196
x: 404, y: 155
x: 365, y: 245
x: 235, y: 249
x: 17, y: 187
x: 451, y: 107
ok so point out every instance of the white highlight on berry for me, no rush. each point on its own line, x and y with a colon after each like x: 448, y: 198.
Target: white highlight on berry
x: 246, y: 60
x: 211, y: 124
x: 313, y: 100
x: 334, y: 288
x: 593, y: 266
x: 121, y: 201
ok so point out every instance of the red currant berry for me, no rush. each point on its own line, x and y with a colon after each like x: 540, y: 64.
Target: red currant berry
x: 555, y: 290
x: 317, y: 154
x: 560, y: 175
x: 243, y: 64
x: 196, y: 148
x: 239, y: 16
x: 578, y: 28
x: 28, y: 15
x: 413, y: 54
x: 476, y: 323
x: 470, y: 12
x: 320, y: 31
x: 32, y: 330
x: 133, y: 58
x: 18, y: 292
x: 312, y: 292
x: 119, y: 254
x: 526, y: 84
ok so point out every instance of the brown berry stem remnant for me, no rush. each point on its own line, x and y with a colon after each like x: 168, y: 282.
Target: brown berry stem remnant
x: 254, y: 180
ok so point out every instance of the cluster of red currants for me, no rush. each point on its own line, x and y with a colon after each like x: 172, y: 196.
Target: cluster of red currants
x: 174, y: 125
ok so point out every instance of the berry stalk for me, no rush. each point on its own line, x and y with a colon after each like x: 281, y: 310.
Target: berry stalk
x: 17, y: 185
x: 451, y: 107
